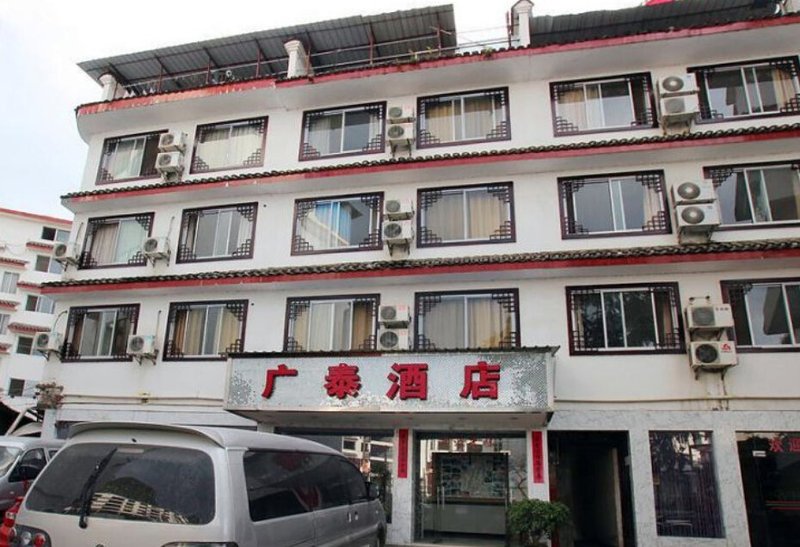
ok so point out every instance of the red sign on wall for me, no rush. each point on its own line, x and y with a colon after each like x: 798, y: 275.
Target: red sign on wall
x: 402, y: 453
x: 537, y: 456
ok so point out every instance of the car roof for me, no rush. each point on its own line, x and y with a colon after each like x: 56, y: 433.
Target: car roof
x: 27, y: 442
x: 221, y: 436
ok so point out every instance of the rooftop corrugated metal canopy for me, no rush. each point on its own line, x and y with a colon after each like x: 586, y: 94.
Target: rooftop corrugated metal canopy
x: 350, y: 41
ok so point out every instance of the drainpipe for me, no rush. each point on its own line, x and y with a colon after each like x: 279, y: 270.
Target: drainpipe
x: 521, y: 23
x: 298, y: 60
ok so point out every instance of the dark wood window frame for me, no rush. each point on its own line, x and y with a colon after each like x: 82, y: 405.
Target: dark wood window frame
x: 426, y: 301
x: 69, y: 352
x: 297, y: 305
x: 373, y: 242
x: 104, y: 177
x: 376, y: 145
x: 652, y: 180
x: 646, y: 120
x: 501, y: 131
x: 718, y: 174
x: 87, y: 262
x: 237, y: 307
x: 505, y: 233
x: 256, y: 159
x: 674, y: 341
x: 729, y: 297
x: 708, y: 115
x: 185, y: 253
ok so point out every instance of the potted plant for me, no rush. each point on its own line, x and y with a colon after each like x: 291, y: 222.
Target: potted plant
x: 534, y: 521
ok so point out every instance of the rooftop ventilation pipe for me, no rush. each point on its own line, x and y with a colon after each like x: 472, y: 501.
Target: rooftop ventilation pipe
x: 520, y: 31
x: 298, y: 60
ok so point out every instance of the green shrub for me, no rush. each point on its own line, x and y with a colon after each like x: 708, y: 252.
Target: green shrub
x: 535, y: 520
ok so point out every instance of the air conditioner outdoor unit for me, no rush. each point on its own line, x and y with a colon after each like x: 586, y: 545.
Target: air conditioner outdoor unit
x: 394, y: 316
x: 400, y: 113
x: 66, y: 253
x: 700, y: 217
x: 701, y: 314
x: 174, y: 141
x: 710, y: 355
x: 678, y: 84
x: 680, y: 109
x: 155, y: 248
x: 398, y: 232
x: 687, y: 193
x: 400, y: 134
x: 47, y: 342
x: 169, y: 162
x: 141, y: 345
x: 398, y: 209
x: 393, y: 339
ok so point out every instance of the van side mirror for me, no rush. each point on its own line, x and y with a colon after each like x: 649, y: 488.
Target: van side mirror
x: 372, y: 490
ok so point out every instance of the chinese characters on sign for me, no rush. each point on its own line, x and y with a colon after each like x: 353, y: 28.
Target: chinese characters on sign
x: 782, y: 443
x: 406, y: 381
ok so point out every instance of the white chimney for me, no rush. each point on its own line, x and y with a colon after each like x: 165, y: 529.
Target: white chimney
x: 110, y: 87
x: 791, y: 6
x: 521, y: 23
x: 298, y: 60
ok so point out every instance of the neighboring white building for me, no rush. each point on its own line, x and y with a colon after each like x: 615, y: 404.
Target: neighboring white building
x: 26, y: 243
x: 544, y: 348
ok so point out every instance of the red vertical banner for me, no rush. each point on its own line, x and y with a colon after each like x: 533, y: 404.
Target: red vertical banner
x: 402, y: 453
x: 537, y: 456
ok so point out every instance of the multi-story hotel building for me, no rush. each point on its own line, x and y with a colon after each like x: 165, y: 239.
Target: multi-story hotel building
x: 26, y: 243
x: 565, y: 265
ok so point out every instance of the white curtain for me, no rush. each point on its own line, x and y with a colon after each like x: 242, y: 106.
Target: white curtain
x: 445, y: 217
x: 130, y: 237
x: 245, y: 141
x: 439, y: 120
x: 444, y: 324
x: 486, y: 214
x: 212, y: 147
x: 478, y: 116
x: 321, y: 133
x: 571, y: 106
x: 126, y: 159
x: 103, y: 245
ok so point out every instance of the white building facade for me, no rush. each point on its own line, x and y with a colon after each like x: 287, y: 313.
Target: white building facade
x: 516, y: 206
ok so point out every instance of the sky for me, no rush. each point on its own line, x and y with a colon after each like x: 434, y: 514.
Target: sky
x: 41, y: 154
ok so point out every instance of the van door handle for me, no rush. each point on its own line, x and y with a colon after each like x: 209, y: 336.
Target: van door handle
x: 355, y: 515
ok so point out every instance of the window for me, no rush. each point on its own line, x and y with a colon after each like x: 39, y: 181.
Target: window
x: 8, y: 283
x: 47, y: 264
x: 766, y: 314
x: 116, y: 241
x: 4, y: 320
x: 331, y: 323
x: 453, y: 320
x: 54, y: 234
x: 127, y: 158
x: 24, y: 345
x: 684, y: 484
x: 217, y: 233
x: 205, y: 330
x: 99, y: 333
x: 627, y: 203
x: 749, y: 89
x: 229, y: 145
x: 21, y: 388
x: 466, y: 214
x: 464, y: 117
x: 625, y: 318
x: 757, y: 194
x: 343, y: 131
x: 41, y: 304
x: 615, y: 103
x: 349, y: 223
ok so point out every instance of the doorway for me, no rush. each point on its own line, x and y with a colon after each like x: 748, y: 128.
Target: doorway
x: 590, y: 473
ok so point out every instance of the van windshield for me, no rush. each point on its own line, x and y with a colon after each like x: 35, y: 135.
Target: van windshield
x: 8, y: 455
x: 147, y: 483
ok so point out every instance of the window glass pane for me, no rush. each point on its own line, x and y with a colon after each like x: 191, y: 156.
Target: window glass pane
x: 31, y: 302
x: 245, y: 142
x: 90, y: 329
x: 589, y: 320
x: 206, y: 234
x: 767, y: 311
x: 793, y: 295
x: 45, y: 305
x: 478, y: 116
x: 633, y: 195
x: 489, y: 324
x: 617, y: 106
x: 55, y: 267
x: 726, y: 92
x: 4, y: 320
x: 24, y: 345
x: 571, y: 106
x: 325, y: 133
x: 9, y: 282
x: 211, y: 331
x: 445, y: 216
x: 358, y: 130
x: 752, y: 91
x: 42, y: 263
x: 48, y: 233
x: 320, y: 326
x: 485, y: 213
x: 783, y: 191
x: 768, y: 97
x: 130, y: 236
x: 639, y: 324
x: 125, y: 159
x: 194, y: 326
x: 222, y: 233
x: 106, y: 332
x: 615, y: 327
x: 741, y: 323
x: 62, y: 236
x: 337, y: 224
x: 342, y: 326
x: 592, y: 206
x: 755, y: 183
x: 594, y: 106
x: 444, y: 324
x: 734, y: 201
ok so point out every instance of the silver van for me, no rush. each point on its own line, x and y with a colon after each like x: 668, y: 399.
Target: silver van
x: 21, y: 461
x: 126, y: 484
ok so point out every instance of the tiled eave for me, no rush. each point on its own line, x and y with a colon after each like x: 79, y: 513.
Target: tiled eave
x: 594, y: 258
x: 39, y: 246
x: 532, y: 153
x: 8, y: 305
x: 28, y: 286
x: 459, y: 59
x: 25, y: 328
x: 12, y: 262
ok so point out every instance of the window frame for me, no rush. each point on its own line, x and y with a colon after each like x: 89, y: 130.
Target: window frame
x: 308, y: 153
x: 195, y: 168
x: 295, y: 304
x: 720, y: 173
x: 185, y: 254
x: 426, y: 140
x: 76, y: 313
x: 109, y: 141
x: 667, y: 348
x: 86, y: 262
x: 56, y: 232
x: 8, y: 275
x: 727, y: 285
x: 651, y: 180
x: 707, y: 115
x: 19, y: 341
x: 563, y: 128
x: 38, y: 298
x: 170, y: 353
x: 374, y: 242
x: 508, y: 298
x: 50, y: 262
x: 506, y: 232
x: 5, y: 319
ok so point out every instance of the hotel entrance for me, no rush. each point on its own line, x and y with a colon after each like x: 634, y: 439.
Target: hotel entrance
x: 465, y: 484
